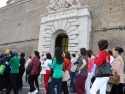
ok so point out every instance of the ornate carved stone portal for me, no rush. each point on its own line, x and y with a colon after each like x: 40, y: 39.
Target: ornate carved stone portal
x: 71, y: 20
x: 56, y: 5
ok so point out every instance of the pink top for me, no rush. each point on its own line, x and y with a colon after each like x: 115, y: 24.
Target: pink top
x: 90, y: 64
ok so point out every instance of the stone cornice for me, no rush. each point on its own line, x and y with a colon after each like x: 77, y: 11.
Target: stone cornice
x: 14, y: 4
x: 87, y: 6
x: 20, y: 41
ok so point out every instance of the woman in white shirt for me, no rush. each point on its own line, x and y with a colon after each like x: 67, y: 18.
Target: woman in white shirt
x: 73, y: 70
x: 47, y: 66
x: 111, y: 57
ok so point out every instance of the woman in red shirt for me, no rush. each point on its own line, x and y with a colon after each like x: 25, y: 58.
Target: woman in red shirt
x: 90, y: 72
x: 67, y: 65
x: 101, y: 82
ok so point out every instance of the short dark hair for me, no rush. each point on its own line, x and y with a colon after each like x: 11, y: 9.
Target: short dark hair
x: 103, y: 44
x: 83, y: 51
x: 22, y: 54
x: 110, y: 52
x: 119, y: 49
x: 30, y: 57
x: 37, y: 54
x: 48, y: 56
x: 74, y: 55
x: 67, y: 55
x: 89, y: 53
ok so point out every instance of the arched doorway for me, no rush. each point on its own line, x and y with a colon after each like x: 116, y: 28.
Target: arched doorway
x: 62, y: 42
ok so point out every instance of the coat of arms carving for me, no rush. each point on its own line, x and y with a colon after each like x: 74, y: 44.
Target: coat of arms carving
x: 56, y: 5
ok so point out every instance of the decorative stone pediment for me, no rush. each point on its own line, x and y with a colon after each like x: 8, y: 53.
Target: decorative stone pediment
x: 56, y: 5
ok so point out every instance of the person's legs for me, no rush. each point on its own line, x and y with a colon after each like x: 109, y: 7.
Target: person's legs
x: 59, y: 86
x: 65, y: 87
x: 1, y: 82
x: 9, y: 89
x: 36, y: 82
x: 98, y: 83
x: 120, y: 88
x: 46, y: 78
x: 31, y: 83
x: 26, y: 77
x: 13, y: 82
x: 103, y: 87
x: 114, y: 89
x: 87, y: 83
x: 79, y: 84
x: 8, y: 80
x: 83, y: 84
x: 21, y: 80
x: 53, y: 83
x: 72, y: 76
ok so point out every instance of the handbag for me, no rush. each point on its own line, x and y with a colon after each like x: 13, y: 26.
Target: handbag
x: 104, y: 70
x: 2, y: 69
x: 66, y: 75
x: 115, y: 79
x: 29, y: 68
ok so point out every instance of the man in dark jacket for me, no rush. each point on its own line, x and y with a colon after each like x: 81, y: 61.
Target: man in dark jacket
x: 21, y: 71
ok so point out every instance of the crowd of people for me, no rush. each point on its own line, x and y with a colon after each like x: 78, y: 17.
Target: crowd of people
x: 60, y: 68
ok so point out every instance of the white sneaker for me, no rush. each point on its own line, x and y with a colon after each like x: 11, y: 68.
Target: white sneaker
x: 36, y: 91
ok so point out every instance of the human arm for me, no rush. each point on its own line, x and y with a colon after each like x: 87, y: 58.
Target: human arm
x: 69, y: 66
x: 45, y: 64
x: 116, y: 66
x: 100, y: 59
x: 10, y: 62
x: 54, y: 63
x: 31, y: 62
x: 83, y: 65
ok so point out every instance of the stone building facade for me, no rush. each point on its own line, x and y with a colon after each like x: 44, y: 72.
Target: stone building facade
x: 20, y: 23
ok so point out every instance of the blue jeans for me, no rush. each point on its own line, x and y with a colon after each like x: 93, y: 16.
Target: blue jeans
x: 53, y: 83
x: 72, y: 76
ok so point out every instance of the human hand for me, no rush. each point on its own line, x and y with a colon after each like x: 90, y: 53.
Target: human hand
x: 79, y: 71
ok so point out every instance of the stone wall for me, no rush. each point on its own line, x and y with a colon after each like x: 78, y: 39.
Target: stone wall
x: 23, y: 46
x: 115, y: 37
x: 20, y: 22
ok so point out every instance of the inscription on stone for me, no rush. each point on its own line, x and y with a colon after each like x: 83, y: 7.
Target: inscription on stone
x: 63, y: 14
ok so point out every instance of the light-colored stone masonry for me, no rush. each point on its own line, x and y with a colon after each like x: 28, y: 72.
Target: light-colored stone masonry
x: 19, y: 23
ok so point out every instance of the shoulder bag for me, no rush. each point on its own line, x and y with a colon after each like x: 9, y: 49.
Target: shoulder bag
x: 66, y: 75
x: 104, y: 70
x: 29, y: 68
x: 2, y: 69
x: 115, y: 79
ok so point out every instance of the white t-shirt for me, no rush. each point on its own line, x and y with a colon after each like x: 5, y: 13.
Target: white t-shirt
x: 47, y: 64
x: 73, y: 67
x: 111, y: 59
x: 27, y: 63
